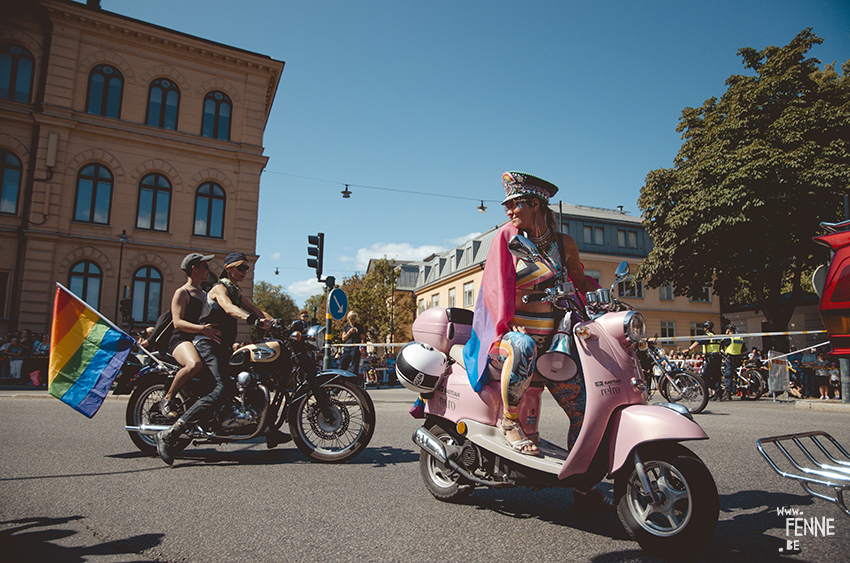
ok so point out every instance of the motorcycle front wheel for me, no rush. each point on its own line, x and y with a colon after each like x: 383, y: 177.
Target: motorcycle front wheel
x: 143, y: 408
x: 442, y: 482
x: 687, y: 389
x: 344, y: 435
x: 752, y: 385
x: 684, y: 514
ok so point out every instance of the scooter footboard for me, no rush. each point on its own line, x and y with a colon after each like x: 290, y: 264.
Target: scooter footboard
x: 640, y: 424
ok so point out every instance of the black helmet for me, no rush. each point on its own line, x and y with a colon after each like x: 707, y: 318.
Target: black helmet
x: 732, y: 327
x: 708, y: 325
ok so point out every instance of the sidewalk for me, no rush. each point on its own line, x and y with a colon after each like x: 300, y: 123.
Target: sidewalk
x: 832, y: 405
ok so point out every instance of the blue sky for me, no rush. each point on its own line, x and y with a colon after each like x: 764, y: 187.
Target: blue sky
x: 441, y: 97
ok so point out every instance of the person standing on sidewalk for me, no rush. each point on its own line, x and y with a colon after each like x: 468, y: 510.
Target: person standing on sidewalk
x: 352, y: 333
x: 733, y: 357
x: 713, y: 362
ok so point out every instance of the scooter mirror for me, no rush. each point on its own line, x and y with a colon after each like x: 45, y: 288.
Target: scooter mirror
x: 522, y: 248
x: 622, y: 272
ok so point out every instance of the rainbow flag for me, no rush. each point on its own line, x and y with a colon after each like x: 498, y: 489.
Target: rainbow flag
x: 86, y: 353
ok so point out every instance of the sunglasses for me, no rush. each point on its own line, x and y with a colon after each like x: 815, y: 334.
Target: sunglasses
x: 243, y: 268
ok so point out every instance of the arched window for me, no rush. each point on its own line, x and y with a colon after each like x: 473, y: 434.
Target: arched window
x: 11, y: 171
x: 154, y: 202
x: 105, y: 86
x: 163, y: 103
x: 147, y: 295
x: 209, y: 210
x: 84, y: 281
x: 217, y: 110
x: 94, y: 192
x: 16, y: 72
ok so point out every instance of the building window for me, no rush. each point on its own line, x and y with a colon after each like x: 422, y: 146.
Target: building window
x: 665, y: 292
x: 209, y: 211
x: 94, y: 192
x: 84, y: 282
x: 163, y: 103
x: 451, y: 297
x: 594, y: 235
x: 704, y: 296
x: 595, y: 275
x: 147, y: 295
x: 668, y: 329
x: 421, y: 306
x: 626, y: 239
x: 11, y: 171
x: 105, y: 86
x: 154, y: 202
x: 435, y: 300
x: 631, y: 288
x: 217, y: 110
x: 468, y: 297
x: 16, y: 72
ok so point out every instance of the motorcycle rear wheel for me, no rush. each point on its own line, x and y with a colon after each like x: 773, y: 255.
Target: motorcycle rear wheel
x: 686, y: 515
x: 441, y: 481
x: 340, y: 439
x: 753, y: 386
x: 143, y: 408
x: 692, y: 392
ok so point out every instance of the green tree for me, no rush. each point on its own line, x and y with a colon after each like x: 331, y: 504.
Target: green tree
x: 378, y: 306
x: 758, y: 170
x: 275, y: 301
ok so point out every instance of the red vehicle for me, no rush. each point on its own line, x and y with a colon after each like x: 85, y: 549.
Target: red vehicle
x: 835, y: 300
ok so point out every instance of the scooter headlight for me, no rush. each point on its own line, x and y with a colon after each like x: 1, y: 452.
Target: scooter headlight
x: 634, y: 327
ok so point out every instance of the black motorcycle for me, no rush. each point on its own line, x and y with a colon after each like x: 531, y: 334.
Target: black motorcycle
x: 275, y: 381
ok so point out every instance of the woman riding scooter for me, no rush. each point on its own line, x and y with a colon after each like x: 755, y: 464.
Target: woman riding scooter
x: 511, y: 333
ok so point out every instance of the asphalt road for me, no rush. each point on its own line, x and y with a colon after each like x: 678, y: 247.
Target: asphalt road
x: 74, y: 489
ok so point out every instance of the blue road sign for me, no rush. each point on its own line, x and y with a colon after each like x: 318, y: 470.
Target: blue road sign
x: 337, y: 303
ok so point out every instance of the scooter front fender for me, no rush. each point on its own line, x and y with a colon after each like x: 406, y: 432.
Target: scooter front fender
x: 640, y: 424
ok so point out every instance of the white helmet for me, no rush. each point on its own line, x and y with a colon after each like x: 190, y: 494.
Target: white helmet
x: 420, y: 367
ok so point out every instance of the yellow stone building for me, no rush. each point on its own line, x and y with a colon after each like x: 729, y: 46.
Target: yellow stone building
x: 123, y: 146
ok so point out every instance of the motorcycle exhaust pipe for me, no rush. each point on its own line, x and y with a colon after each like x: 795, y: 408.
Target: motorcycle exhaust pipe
x: 147, y: 428
x: 431, y: 444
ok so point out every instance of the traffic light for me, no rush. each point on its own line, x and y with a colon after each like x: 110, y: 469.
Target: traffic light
x: 316, y: 248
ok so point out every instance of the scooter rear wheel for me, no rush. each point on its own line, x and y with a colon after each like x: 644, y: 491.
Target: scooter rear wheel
x: 684, y: 515
x: 442, y: 482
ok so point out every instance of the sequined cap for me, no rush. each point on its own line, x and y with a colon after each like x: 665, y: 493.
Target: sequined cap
x: 520, y: 184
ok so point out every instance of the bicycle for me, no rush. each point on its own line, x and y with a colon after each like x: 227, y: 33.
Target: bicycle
x: 675, y: 384
x: 749, y: 382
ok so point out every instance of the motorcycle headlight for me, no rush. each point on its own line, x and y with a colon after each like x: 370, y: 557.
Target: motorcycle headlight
x: 634, y: 326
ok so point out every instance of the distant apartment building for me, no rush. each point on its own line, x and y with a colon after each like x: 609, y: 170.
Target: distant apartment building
x: 605, y: 238
x: 124, y: 146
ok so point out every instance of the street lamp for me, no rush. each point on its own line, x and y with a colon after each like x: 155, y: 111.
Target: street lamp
x: 122, y: 238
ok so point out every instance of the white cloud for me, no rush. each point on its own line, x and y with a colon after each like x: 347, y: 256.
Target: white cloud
x: 275, y: 256
x: 399, y: 251
x: 304, y: 289
x: 460, y: 240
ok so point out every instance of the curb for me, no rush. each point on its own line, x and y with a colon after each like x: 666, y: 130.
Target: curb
x: 816, y: 405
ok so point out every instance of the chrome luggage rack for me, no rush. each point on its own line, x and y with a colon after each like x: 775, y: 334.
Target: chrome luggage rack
x: 823, y: 470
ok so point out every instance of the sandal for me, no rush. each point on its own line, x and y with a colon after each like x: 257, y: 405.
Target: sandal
x: 594, y: 499
x: 523, y: 442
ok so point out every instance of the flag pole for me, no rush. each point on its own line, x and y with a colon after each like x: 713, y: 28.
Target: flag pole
x: 159, y: 362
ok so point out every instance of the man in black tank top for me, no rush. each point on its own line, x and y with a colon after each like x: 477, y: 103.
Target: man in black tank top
x: 224, y: 306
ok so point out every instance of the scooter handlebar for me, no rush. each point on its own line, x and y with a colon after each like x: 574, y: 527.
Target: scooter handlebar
x: 534, y: 297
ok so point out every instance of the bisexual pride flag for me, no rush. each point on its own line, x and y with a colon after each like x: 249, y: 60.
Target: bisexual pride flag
x: 86, y: 353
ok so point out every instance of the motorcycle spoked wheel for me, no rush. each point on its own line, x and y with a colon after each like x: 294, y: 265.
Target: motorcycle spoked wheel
x: 685, y: 517
x: 693, y: 392
x: 343, y: 437
x: 441, y: 481
x: 143, y: 408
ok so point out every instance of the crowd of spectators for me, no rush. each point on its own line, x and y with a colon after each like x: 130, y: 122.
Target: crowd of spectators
x: 24, y: 358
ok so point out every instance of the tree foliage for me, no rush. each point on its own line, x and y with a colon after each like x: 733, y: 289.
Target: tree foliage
x: 275, y: 301
x: 378, y: 306
x: 758, y: 170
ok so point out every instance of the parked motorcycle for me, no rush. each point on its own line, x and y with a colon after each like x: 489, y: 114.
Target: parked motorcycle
x: 665, y: 495
x: 675, y: 384
x: 331, y: 419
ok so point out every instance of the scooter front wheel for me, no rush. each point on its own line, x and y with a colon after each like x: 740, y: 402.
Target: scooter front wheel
x: 442, y: 482
x: 682, y: 515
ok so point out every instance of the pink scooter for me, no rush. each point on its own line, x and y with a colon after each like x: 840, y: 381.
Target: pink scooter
x: 666, y: 498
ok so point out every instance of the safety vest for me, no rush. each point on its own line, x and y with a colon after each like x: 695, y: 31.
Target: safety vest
x: 736, y: 347
x: 711, y: 346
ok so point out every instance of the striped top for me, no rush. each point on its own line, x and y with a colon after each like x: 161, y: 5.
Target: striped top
x: 529, y: 275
